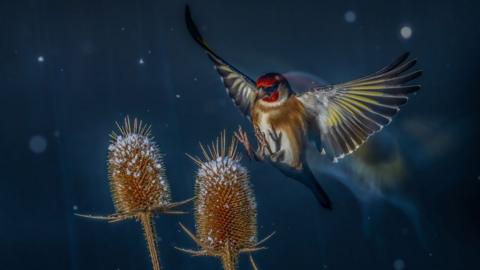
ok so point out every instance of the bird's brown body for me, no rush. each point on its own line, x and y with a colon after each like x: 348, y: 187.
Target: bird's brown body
x: 291, y: 120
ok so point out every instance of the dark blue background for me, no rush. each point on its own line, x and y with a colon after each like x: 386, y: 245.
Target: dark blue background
x: 91, y: 77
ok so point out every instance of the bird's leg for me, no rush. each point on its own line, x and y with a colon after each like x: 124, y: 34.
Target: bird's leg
x: 278, y: 154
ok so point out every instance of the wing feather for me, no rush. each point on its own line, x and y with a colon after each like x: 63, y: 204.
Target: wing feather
x: 239, y: 87
x: 347, y: 114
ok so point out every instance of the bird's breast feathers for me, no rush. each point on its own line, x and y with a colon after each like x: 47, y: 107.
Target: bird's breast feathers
x: 289, y: 119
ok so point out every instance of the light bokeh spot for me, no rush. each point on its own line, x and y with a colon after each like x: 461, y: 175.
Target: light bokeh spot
x: 350, y: 16
x: 38, y: 144
x: 398, y: 264
x: 406, y: 32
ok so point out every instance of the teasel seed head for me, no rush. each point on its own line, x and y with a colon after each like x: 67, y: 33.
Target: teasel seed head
x: 136, y: 171
x: 225, y: 207
x: 138, y: 182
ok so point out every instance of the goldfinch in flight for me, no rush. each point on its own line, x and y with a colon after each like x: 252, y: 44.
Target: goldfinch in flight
x: 334, y: 120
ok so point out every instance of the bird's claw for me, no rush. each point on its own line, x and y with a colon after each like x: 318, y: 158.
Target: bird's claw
x: 276, y: 138
x: 277, y: 156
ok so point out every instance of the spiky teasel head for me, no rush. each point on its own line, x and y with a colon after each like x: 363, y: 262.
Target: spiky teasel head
x: 136, y: 172
x: 138, y: 181
x: 225, y: 207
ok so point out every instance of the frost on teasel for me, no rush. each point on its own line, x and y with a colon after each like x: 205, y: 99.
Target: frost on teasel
x: 136, y: 172
x: 225, y: 207
x: 138, y: 181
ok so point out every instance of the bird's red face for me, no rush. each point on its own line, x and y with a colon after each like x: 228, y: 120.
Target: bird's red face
x: 268, y: 86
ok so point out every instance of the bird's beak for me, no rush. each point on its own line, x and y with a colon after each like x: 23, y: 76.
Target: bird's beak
x: 261, y: 93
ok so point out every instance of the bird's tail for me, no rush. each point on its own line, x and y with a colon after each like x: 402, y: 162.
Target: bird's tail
x: 311, y: 182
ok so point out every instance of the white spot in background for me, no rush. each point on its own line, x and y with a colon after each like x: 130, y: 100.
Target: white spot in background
x: 141, y: 61
x: 123, y: 28
x: 149, y: 51
x: 398, y: 264
x: 177, y: 96
x: 195, y: 79
x: 350, y: 16
x: 406, y: 32
x: 38, y: 144
x: 40, y: 59
x: 56, y: 133
x: 75, y: 207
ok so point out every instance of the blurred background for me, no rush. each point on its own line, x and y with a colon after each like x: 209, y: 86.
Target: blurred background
x: 70, y: 69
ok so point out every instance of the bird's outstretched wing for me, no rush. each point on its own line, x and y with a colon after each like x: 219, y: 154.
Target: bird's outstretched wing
x: 347, y: 114
x: 239, y: 87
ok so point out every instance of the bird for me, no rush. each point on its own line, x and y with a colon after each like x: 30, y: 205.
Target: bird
x: 331, y: 120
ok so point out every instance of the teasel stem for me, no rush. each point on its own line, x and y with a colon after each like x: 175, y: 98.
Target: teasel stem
x: 252, y: 262
x: 229, y: 259
x: 148, y: 227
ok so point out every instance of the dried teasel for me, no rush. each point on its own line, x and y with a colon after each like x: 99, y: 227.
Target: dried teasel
x: 225, y: 208
x: 138, y: 182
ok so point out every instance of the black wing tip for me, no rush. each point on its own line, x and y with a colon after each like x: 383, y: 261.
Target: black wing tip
x: 414, y: 88
x: 192, y: 28
x: 416, y: 74
x: 396, y: 63
x: 413, y: 62
x: 404, y: 56
x: 401, y: 59
x: 328, y: 205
